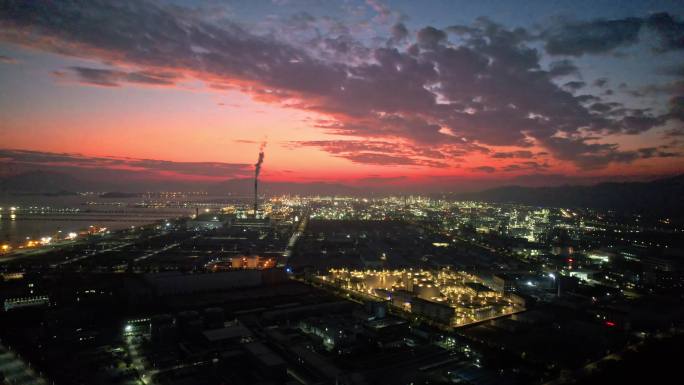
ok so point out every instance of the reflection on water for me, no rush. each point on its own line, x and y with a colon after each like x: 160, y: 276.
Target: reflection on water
x: 35, y: 217
x: 12, y: 231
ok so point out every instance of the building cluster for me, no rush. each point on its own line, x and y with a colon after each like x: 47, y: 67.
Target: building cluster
x: 342, y: 290
x: 450, y: 298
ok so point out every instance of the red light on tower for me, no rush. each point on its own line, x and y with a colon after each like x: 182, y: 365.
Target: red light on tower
x: 610, y: 323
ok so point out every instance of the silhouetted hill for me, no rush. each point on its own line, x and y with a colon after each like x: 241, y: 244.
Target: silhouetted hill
x: 662, y: 196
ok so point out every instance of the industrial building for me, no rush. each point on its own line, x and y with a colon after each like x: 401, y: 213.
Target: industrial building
x: 450, y: 298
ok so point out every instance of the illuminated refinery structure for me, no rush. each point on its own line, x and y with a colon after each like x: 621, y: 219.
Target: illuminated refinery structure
x: 242, y: 262
x: 449, y: 298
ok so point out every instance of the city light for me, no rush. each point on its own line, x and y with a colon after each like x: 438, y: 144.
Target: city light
x: 450, y: 297
x: 341, y: 192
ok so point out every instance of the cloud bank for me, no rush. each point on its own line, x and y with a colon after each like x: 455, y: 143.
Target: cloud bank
x: 428, y: 98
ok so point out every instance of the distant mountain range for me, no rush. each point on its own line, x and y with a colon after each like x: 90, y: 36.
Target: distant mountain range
x: 662, y: 196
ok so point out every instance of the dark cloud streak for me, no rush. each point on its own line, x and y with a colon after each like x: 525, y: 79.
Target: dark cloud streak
x: 488, y: 90
x: 114, y: 78
x: 39, y: 159
x: 604, y: 36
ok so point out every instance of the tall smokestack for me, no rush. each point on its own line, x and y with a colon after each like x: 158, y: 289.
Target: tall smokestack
x: 257, y: 170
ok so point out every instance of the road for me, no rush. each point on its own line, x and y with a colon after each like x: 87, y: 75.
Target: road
x: 293, y: 239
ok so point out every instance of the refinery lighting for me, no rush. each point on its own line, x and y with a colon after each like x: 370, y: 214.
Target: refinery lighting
x: 450, y: 298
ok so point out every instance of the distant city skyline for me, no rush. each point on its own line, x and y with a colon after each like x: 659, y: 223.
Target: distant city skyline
x: 440, y: 95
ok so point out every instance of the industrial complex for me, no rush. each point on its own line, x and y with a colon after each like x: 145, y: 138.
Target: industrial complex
x: 449, y: 298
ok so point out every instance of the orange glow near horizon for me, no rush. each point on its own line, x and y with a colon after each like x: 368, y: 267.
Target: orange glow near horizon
x: 228, y: 129
x: 206, y: 118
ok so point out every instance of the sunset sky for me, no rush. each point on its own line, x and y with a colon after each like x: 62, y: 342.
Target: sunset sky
x: 359, y: 92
